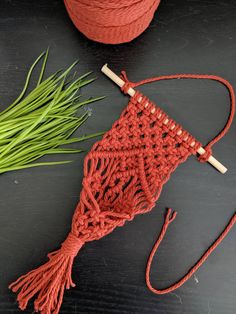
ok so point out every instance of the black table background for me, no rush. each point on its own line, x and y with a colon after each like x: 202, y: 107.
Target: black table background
x: 36, y: 205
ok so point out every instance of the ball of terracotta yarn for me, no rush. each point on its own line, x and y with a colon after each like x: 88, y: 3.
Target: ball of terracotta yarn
x: 111, y: 21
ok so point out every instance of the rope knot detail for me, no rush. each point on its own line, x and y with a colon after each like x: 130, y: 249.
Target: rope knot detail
x: 71, y: 245
x: 125, y: 88
x: 204, y: 157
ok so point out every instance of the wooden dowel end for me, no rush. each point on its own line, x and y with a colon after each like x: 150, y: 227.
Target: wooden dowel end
x: 214, y: 162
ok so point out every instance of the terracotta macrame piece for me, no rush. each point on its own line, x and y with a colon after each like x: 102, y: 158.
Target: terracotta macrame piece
x: 123, y: 176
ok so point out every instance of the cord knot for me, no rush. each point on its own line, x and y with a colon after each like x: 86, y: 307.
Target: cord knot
x: 71, y: 245
x: 204, y: 157
x: 125, y: 88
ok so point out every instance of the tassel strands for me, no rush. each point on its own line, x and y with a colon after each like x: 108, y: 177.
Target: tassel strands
x: 50, y: 280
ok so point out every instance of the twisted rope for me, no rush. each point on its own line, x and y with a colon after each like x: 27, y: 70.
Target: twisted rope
x: 111, y: 21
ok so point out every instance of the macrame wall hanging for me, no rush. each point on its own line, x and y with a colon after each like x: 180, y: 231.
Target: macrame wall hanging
x: 123, y: 176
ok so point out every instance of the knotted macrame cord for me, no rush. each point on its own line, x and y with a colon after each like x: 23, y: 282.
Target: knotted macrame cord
x: 123, y: 176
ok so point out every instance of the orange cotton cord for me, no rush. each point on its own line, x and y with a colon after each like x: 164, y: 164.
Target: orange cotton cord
x: 229, y: 87
x: 111, y: 21
x: 170, y: 217
x: 123, y: 176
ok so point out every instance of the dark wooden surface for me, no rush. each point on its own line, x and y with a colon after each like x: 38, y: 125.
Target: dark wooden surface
x: 36, y: 205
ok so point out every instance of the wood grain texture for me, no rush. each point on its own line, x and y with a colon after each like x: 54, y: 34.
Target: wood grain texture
x: 36, y: 205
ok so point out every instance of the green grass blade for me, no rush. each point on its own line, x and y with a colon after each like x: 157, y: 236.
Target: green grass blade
x: 43, y: 67
x: 43, y: 121
x: 26, y: 82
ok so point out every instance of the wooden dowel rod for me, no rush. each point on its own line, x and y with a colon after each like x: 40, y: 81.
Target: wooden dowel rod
x: 115, y: 78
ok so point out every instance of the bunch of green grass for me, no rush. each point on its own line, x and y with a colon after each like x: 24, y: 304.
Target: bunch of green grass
x: 43, y: 121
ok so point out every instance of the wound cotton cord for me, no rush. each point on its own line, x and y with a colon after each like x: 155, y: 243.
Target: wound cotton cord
x: 111, y: 21
x: 124, y: 174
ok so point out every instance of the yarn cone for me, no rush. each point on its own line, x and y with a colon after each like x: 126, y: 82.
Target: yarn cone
x: 111, y: 21
x: 123, y: 176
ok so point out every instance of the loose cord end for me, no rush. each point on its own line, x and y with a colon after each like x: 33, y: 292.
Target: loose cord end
x: 170, y: 216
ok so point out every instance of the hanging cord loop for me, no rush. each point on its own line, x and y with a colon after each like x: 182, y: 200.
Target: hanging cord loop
x: 170, y: 217
x: 208, y: 147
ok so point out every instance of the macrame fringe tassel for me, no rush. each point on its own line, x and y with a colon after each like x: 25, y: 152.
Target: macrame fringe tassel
x: 50, y: 280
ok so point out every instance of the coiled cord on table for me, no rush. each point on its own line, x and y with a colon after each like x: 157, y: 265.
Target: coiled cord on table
x: 111, y: 21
